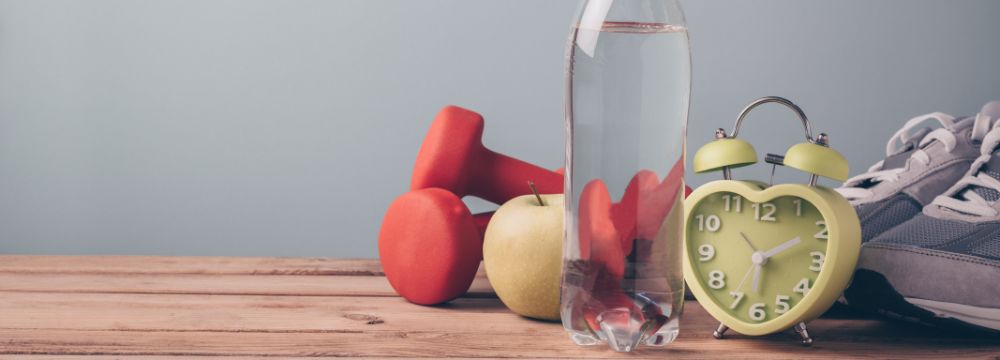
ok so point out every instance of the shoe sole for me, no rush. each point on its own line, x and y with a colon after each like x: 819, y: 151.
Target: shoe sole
x: 985, y: 317
x: 870, y: 291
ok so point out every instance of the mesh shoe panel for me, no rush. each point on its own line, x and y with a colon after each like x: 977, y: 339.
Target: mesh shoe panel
x: 877, y: 218
x: 989, y: 248
x: 926, y: 231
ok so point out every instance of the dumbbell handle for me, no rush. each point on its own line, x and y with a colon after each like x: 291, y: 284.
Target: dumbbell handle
x: 508, y: 178
x: 482, y: 220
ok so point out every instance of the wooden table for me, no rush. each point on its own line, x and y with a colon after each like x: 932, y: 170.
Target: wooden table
x: 182, y: 307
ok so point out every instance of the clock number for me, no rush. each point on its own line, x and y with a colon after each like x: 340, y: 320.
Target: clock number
x: 824, y: 233
x: 733, y: 202
x: 798, y: 207
x: 757, y: 312
x: 802, y: 287
x: 817, y: 257
x: 710, y: 223
x: 707, y: 252
x: 768, y: 212
x: 737, y: 297
x: 781, y: 304
x: 716, y: 279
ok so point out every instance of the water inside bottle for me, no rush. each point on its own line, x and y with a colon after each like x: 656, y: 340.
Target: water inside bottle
x: 629, y: 85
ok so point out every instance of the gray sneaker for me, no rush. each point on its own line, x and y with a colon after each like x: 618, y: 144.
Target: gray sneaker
x: 920, y: 164
x: 943, y: 266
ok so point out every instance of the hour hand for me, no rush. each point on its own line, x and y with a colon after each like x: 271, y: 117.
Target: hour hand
x: 747, y: 240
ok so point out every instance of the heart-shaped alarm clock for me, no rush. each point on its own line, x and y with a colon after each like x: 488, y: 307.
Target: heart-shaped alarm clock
x: 764, y: 258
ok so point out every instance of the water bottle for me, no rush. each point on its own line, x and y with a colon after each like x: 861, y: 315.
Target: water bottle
x: 628, y: 84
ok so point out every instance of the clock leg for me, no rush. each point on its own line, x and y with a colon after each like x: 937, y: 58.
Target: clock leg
x: 800, y: 329
x: 720, y: 331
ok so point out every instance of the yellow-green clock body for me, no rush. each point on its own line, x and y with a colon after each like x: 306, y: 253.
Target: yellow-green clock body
x: 761, y: 259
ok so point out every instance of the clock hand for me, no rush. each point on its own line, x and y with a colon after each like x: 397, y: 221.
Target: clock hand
x: 745, y: 277
x: 755, y: 266
x: 756, y: 277
x: 784, y: 246
x: 760, y: 258
x: 745, y: 238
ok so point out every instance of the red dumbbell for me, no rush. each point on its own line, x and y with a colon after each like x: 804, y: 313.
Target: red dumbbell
x: 625, y: 213
x: 641, y: 211
x: 655, y: 204
x: 430, y: 245
x: 453, y: 158
x: 607, y: 232
x: 600, y: 242
x: 427, y: 251
x: 644, y: 205
x: 599, y: 238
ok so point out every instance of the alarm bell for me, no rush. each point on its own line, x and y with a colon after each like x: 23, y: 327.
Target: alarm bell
x: 724, y: 153
x: 814, y: 156
x: 817, y: 159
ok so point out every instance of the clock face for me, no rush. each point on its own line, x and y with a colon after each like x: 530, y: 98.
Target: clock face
x: 756, y: 261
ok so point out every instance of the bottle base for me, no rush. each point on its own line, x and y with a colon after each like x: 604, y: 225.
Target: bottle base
x: 626, y: 340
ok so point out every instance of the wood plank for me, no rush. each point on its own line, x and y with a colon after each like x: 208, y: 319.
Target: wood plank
x: 154, y: 357
x: 136, y: 357
x: 186, y: 275
x: 169, y: 357
x: 161, y: 307
x: 148, y: 357
x: 141, y: 312
x: 187, y: 265
x: 301, y: 285
x: 453, y: 344
x: 148, y: 312
x: 190, y: 325
x: 165, y: 357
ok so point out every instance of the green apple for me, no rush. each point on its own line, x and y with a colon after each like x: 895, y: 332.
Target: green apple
x: 522, y: 253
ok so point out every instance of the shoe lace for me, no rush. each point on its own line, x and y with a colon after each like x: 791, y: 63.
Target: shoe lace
x: 858, y: 187
x: 961, y: 197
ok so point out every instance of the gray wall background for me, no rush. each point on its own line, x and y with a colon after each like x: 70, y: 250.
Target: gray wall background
x: 285, y: 127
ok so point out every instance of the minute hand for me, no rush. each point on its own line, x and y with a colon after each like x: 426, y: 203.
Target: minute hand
x: 784, y: 246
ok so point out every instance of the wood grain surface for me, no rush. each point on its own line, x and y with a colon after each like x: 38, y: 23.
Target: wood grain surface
x: 87, y: 307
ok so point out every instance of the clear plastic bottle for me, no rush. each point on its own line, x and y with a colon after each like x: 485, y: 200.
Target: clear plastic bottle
x: 628, y: 87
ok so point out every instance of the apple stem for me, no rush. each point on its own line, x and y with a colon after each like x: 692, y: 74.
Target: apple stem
x: 534, y: 190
